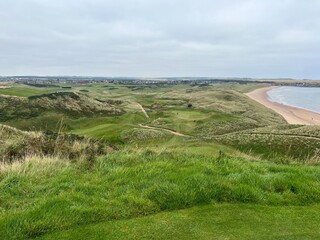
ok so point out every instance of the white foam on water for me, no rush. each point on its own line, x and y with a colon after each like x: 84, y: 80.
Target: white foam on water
x: 300, y: 97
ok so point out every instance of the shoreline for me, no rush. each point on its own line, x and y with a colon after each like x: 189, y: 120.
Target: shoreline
x: 292, y: 115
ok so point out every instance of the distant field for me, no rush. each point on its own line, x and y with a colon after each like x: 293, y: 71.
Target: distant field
x: 24, y: 91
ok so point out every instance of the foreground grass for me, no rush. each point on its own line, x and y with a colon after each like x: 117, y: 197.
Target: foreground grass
x: 39, y: 197
x: 218, y: 221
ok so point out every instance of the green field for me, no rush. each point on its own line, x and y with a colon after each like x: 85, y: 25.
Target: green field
x: 124, y: 161
x: 218, y: 221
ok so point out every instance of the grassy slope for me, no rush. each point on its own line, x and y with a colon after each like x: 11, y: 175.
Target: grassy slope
x: 107, y: 128
x: 279, y: 143
x: 40, y: 197
x: 218, y: 221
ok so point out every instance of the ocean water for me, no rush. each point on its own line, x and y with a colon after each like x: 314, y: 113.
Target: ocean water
x: 301, y: 97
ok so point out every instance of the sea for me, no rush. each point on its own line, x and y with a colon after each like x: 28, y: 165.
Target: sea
x: 302, y: 97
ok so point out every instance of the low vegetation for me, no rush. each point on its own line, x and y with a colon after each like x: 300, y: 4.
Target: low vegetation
x: 280, y: 143
x: 68, y: 103
x: 16, y: 145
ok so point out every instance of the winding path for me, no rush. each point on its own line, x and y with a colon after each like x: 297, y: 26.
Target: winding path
x: 158, y: 128
x: 144, y: 111
x: 164, y: 129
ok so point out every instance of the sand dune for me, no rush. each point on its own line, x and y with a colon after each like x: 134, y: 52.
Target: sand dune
x: 292, y: 115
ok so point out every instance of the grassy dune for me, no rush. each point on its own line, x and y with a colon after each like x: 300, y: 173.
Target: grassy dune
x: 280, y: 143
x: 166, y: 106
x: 237, y: 172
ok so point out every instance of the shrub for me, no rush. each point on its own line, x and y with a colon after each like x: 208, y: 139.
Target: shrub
x: 66, y: 146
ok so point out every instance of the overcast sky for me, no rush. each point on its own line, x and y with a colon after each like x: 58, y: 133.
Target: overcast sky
x: 157, y: 38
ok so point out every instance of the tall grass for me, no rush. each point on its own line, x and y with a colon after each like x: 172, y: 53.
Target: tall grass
x: 54, y: 195
x: 279, y: 143
x: 16, y: 145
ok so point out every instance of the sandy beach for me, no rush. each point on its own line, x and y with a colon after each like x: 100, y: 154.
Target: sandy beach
x: 292, y: 115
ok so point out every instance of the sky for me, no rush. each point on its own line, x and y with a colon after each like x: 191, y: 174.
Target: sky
x: 161, y: 38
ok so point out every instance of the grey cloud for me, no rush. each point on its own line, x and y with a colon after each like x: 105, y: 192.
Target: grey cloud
x: 253, y: 38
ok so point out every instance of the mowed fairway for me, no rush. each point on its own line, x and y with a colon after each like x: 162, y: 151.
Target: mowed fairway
x: 225, y: 221
x: 108, y: 128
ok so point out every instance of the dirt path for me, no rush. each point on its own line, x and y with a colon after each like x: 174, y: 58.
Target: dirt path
x: 164, y: 129
x: 143, y: 110
x: 158, y: 128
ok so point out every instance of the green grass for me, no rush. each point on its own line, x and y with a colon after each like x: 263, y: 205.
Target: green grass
x: 279, y: 143
x: 48, y: 110
x: 52, y: 121
x: 215, y: 109
x: 25, y: 91
x: 178, y: 145
x: 218, y: 221
x: 40, y: 197
x: 109, y: 129
x: 185, y: 120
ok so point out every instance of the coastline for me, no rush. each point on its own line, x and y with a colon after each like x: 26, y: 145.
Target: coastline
x: 292, y: 115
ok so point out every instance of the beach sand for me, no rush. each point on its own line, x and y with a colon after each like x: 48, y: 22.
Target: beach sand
x: 292, y: 115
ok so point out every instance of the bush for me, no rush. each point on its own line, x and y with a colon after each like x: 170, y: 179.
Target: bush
x: 66, y: 146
